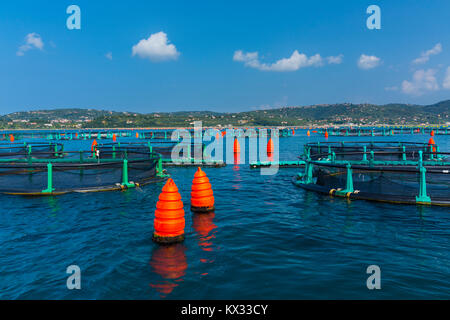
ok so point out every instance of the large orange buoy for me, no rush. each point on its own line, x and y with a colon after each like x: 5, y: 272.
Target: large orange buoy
x: 114, y: 137
x: 270, y: 147
x: 169, y: 215
x: 308, y: 133
x: 202, y: 198
x: 432, y: 133
x: 236, y: 146
x: 326, y: 134
x: 94, y: 144
x: 11, y: 138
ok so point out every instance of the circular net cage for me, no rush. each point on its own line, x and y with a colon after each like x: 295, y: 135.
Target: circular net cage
x: 31, y: 150
x: 82, y: 171
x: 360, y: 150
x: 424, y: 179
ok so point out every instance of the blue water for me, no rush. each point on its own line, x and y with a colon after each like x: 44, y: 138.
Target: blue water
x: 266, y: 240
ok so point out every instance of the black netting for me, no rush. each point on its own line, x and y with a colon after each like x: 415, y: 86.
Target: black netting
x: 31, y: 150
x: 87, y: 175
x: 382, y: 151
x: 388, y: 183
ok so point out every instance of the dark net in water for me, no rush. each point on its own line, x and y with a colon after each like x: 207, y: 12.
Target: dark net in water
x: 74, y: 174
x: 348, y: 150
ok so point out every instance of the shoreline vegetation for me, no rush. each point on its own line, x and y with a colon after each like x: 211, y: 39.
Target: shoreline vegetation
x: 345, y: 114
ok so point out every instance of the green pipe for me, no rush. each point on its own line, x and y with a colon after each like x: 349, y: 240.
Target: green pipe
x: 125, y: 181
x: 423, y: 197
x: 50, y: 188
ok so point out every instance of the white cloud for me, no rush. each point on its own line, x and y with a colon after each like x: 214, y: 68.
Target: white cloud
x: 393, y: 88
x: 108, y: 55
x: 446, y: 83
x: 425, y: 56
x: 423, y: 80
x: 293, y: 63
x: 156, y: 48
x: 32, y: 41
x: 366, y: 62
x: 335, y: 60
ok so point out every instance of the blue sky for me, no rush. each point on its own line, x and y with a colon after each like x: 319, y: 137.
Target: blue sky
x: 202, y: 54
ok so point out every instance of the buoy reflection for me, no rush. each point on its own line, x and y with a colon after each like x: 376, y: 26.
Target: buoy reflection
x: 203, y: 224
x: 170, y: 263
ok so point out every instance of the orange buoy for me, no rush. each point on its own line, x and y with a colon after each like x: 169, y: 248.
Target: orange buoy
x: 308, y: 133
x: 236, y: 146
x: 169, y: 215
x: 270, y: 146
x: 114, y: 137
x: 237, y: 158
x: 217, y: 135
x: 326, y: 134
x: 11, y: 138
x: 202, y: 198
x: 76, y: 135
x: 431, y: 141
x: 293, y: 132
x: 224, y: 133
x: 94, y: 144
x: 432, y: 133
x: 137, y: 134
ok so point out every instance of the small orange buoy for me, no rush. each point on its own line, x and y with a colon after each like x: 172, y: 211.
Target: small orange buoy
x: 114, y: 137
x: 326, y: 134
x: 137, y: 135
x: 224, y: 133
x: 308, y: 133
x: 169, y: 215
x: 94, y: 144
x: 11, y: 138
x: 236, y: 146
x: 270, y: 146
x: 202, y: 198
x: 217, y: 135
x: 293, y: 132
x: 431, y: 141
x: 432, y: 133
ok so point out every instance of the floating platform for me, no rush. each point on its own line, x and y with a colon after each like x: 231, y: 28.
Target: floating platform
x: 280, y: 164
x: 193, y: 163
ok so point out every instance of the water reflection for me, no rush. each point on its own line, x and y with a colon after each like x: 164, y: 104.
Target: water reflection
x: 53, y: 203
x: 170, y: 263
x: 203, y: 224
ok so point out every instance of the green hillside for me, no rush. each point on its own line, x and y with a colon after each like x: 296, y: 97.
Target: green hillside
x: 335, y: 114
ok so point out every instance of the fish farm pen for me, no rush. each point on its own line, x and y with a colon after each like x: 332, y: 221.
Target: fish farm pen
x: 410, y: 173
x: 382, y: 131
x: 31, y: 150
x: 80, y: 171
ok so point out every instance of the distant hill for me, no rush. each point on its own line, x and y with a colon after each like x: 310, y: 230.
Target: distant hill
x: 334, y: 114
